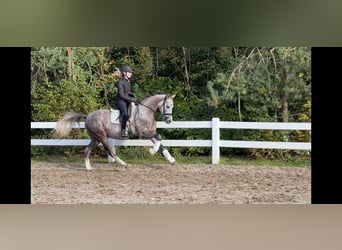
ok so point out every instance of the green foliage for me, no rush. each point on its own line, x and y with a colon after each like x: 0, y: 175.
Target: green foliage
x: 50, y: 101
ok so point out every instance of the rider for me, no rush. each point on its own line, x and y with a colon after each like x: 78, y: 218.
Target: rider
x: 124, y: 97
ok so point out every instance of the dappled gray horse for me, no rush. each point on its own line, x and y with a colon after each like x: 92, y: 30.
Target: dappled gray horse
x: 141, y: 125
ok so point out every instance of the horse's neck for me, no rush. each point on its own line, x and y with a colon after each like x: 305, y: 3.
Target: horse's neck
x: 142, y: 120
x: 147, y: 113
x: 153, y: 101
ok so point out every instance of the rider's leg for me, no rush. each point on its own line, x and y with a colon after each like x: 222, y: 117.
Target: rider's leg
x: 124, y: 116
x: 124, y: 132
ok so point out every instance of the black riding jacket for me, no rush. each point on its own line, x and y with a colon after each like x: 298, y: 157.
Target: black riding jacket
x: 124, y: 90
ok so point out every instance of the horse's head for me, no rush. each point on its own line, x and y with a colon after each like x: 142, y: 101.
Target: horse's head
x: 166, y: 108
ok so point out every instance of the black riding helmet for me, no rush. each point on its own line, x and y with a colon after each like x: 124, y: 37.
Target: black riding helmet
x: 126, y: 68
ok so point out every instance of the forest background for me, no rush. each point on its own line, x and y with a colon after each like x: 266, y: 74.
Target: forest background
x: 254, y: 84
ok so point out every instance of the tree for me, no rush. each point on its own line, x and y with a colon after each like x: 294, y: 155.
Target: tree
x: 265, y: 83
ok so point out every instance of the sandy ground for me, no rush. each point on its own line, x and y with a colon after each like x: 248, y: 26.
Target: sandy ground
x: 70, y: 183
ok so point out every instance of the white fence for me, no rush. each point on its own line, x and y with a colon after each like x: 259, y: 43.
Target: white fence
x: 215, y: 143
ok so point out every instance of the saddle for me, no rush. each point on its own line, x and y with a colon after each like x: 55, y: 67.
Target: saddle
x: 115, y: 114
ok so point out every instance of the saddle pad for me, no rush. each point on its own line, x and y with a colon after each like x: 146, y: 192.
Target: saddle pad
x: 114, y: 116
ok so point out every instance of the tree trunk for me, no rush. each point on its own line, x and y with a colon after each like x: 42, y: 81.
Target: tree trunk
x: 70, y: 63
x: 285, y: 97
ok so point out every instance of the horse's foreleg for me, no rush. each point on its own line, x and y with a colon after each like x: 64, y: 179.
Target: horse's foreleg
x: 167, y: 155
x: 157, y: 145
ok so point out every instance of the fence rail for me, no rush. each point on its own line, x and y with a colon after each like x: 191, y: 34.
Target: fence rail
x: 215, y: 143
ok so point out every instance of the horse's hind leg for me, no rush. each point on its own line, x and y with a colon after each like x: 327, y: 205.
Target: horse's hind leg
x: 111, y: 144
x: 111, y: 152
x: 93, y: 144
x: 102, y: 138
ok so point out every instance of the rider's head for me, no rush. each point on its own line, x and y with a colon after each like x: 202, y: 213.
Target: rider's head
x: 126, y: 71
x: 126, y: 68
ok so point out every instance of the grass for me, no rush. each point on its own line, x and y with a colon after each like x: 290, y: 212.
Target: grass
x: 159, y: 159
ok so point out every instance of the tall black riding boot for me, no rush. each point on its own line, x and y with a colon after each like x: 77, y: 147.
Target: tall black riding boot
x: 124, y: 132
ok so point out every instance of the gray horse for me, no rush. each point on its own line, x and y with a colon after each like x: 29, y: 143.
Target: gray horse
x: 141, y: 125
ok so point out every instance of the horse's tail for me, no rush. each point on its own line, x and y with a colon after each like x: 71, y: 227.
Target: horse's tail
x: 65, y: 124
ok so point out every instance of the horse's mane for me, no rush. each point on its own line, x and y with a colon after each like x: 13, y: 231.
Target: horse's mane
x: 153, y: 98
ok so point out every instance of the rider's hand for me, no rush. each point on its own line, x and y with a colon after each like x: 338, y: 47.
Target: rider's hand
x: 132, y: 95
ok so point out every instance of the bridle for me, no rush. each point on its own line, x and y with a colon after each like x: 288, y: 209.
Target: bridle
x: 164, y: 114
x: 164, y: 108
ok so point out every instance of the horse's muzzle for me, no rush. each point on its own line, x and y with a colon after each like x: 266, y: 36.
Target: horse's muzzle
x: 168, y: 118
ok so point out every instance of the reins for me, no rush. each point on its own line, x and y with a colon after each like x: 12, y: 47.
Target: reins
x: 155, y: 111
x: 139, y: 102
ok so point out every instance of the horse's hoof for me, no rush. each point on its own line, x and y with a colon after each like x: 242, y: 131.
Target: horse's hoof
x: 172, y: 160
x: 152, y: 152
x: 123, y: 164
x: 111, y: 160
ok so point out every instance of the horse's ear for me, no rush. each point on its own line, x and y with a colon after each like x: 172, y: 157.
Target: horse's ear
x: 173, y: 96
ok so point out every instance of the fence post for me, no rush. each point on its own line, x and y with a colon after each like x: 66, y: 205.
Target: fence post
x: 111, y: 144
x: 215, y: 140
